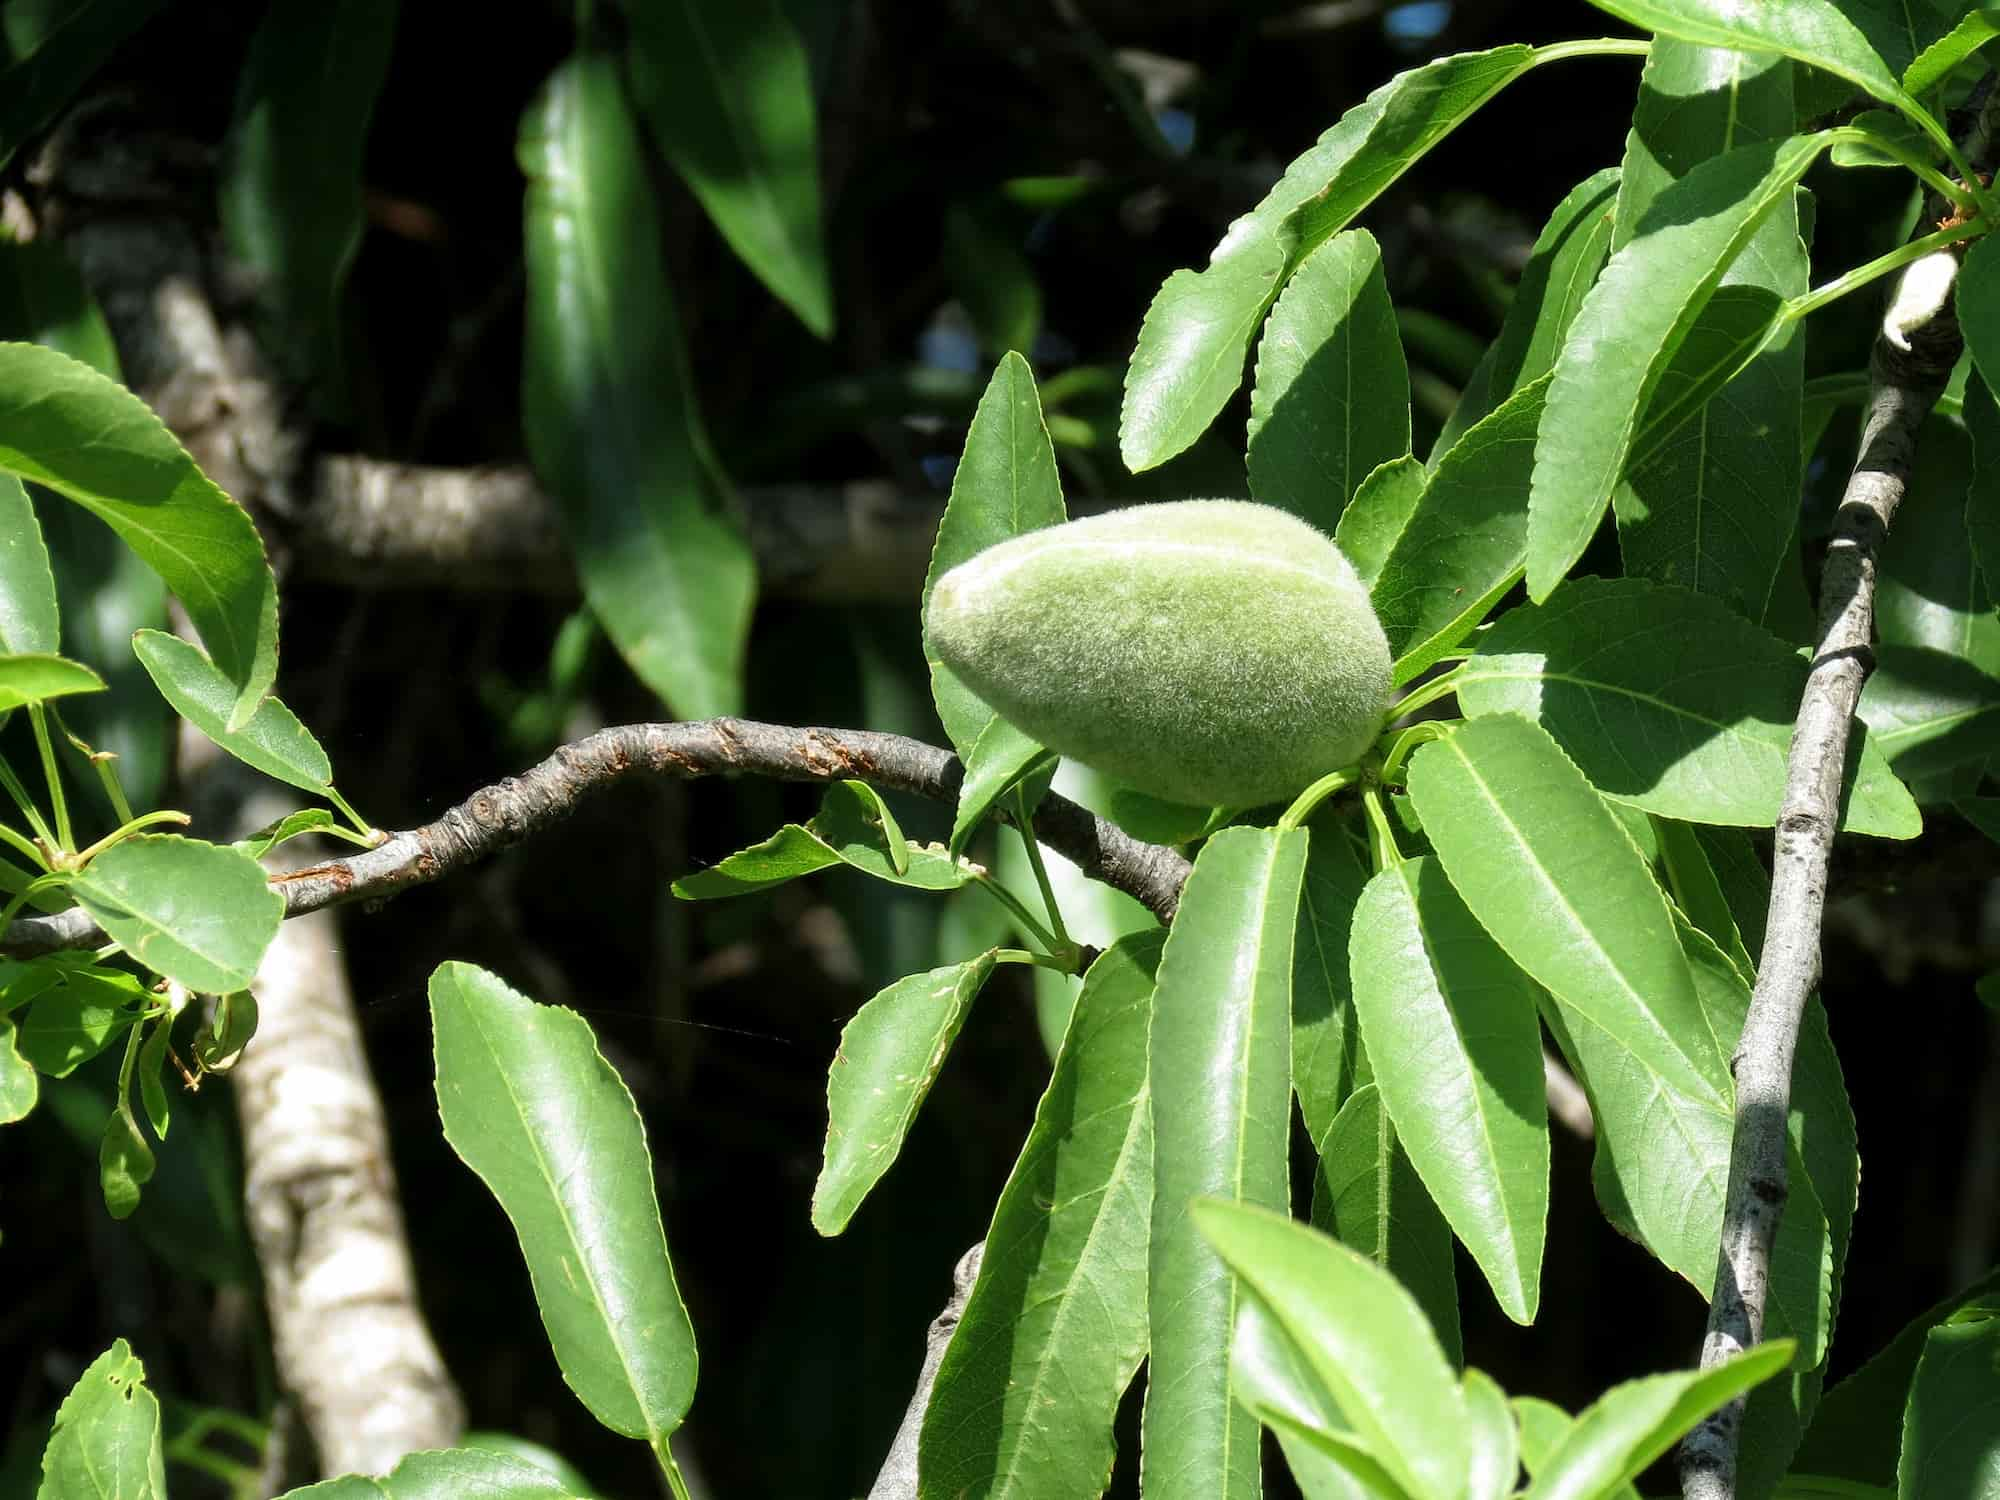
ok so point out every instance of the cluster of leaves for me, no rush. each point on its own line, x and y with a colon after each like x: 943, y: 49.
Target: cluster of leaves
x: 1569, y: 855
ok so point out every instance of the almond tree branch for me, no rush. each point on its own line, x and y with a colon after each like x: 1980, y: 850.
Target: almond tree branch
x: 1907, y: 377
x: 498, y: 816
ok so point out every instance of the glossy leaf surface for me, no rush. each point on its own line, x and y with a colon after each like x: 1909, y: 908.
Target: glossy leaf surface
x: 290, y: 189
x: 65, y: 426
x: 1669, y: 701
x: 529, y: 1103
x: 274, y: 741
x: 1455, y: 1040
x: 1625, y: 336
x: 1327, y: 1061
x: 1189, y: 360
x: 1332, y: 394
x: 1056, y: 1324
x: 1220, y: 1065
x: 199, y: 913
x: 726, y: 91
x: 446, y: 1474
x: 608, y: 407
x: 847, y: 830
x: 37, y: 679
x: 29, y: 623
x: 888, y: 1058
x: 1362, y: 1336
x: 1954, y: 1411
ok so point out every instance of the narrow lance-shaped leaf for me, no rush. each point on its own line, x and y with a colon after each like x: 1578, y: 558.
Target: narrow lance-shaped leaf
x: 1220, y: 1067
x: 1704, y: 504
x: 1006, y: 484
x: 1269, y: 1375
x: 529, y: 1103
x: 1455, y: 1040
x: 65, y: 426
x: 1632, y: 1424
x: 1548, y: 871
x: 36, y: 679
x: 888, y: 1058
x: 1332, y: 397
x: 726, y: 91
x: 1189, y: 360
x: 1809, y: 31
x: 608, y: 405
x: 290, y: 190
x: 1668, y: 701
x: 1056, y: 1324
x: 28, y: 619
x: 1361, y: 1335
x: 1630, y: 327
x: 105, y: 1444
x: 274, y: 741
x: 1368, y: 1196
x: 1465, y: 542
x: 1935, y: 63
x: 849, y: 829
x: 1564, y: 261
x: 1327, y: 1060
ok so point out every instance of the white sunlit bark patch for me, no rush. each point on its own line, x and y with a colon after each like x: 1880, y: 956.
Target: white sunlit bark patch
x: 1921, y: 294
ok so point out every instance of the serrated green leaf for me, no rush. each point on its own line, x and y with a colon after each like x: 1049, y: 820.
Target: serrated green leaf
x: 1954, y: 1411
x: 292, y: 825
x: 1005, y: 484
x: 289, y: 193
x: 1930, y: 590
x: 1808, y: 31
x: 1630, y: 327
x: 888, y: 1058
x: 1935, y: 63
x: 106, y: 1441
x: 1367, y: 1195
x: 1496, y: 1452
x: 1546, y: 868
x: 273, y: 741
x: 1624, y: 1430
x: 529, y: 1103
x: 65, y: 426
x: 1220, y: 1050
x: 1382, y: 505
x: 36, y: 679
x: 727, y: 94
x: 1452, y: 1031
x: 202, y: 914
x: 1668, y: 702
x: 1857, y: 1433
x: 29, y: 624
x: 1565, y: 260
x: 609, y: 409
x: 1466, y: 541
x: 1189, y: 359
x: 1056, y: 1324
x: 1363, y: 1337
x: 1332, y: 396
x: 1702, y: 503
x: 998, y: 762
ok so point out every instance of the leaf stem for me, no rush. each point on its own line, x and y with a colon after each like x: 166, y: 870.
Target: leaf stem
x: 1026, y: 828
x: 1956, y: 194
x: 52, y: 773
x: 22, y: 800
x: 1601, y: 46
x: 1440, y: 686
x: 14, y: 839
x: 675, y: 1483
x: 1382, y: 846
x: 1307, y: 801
x: 1880, y: 266
x: 368, y: 830
x: 1021, y: 914
x: 101, y: 761
x: 1407, y: 741
x: 1053, y: 961
x: 124, y: 831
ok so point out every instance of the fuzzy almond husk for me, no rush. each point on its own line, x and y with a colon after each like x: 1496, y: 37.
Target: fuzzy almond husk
x: 1214, y: 652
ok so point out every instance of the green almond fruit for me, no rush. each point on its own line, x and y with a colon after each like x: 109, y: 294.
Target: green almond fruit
x: 1213, y: 652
